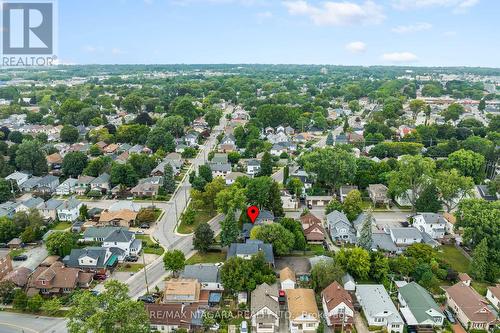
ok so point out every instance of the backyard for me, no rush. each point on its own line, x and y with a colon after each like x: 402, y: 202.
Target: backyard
x: 455, y: 258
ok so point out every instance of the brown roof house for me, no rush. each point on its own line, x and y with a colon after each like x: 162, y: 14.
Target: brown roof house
x: 471, y: 309
x: 54, y: 161
x: 119, y: 218
x: 172, y: 317
x: 19, y: 276
x: 313, y: 229
x: 57, y: 279
x: 182, y: 291
x: 337, y: 306
x: 378, y: 194
x: 303, y: 311
x: 5, y: 265
x: 287, y: 279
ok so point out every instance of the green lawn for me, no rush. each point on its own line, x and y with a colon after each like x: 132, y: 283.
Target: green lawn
x: 454, y: 258
x: 16, y: 252
x: 200, y: 217
x: 480, y: 287
x: 150, y: 247
x: 205, y: 258
x: 318, y: 249
x: 61, y: 226
x: 127, y: 267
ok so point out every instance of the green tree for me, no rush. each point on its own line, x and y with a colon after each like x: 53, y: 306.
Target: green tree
x: 52, y: 306
x: 69, y: 134
x: 353, y: 205
x: 105, y: 312
x: 482, y: 105
x: 356, y: 261
x: 172, y: 124
x: 333, y: 205
x: 295, y: 186
x: 266, y: 165
x: 333, y: 166
x: 98, y: 166
x: 452, y: 187
x: 5, y: 190
x: 416, y: 106
x: 295, y: 227
x: 468, y: 163
x: 324, y: 273
x: 132, y: 103
x: 35, y: 303
x: 365, y: 239
x: 74, y: 163
x: 168, y: 179
x: 453, y: 112
x: 31, y: 157
x: 238, y: 274
x: 7, y: 289
x: 278, y: 236
x: 231, y: 198
x: 205, y: 172
x: 159, y: 139
x: 20, y: 301
x: 60, y: 243
x: 379, y: 266
x: 174, y: 261
x: 428, y: 201
x: 203, y: 237
x: 479, y: 263
x: 413, y: 174
x: 123, y: 174
x: 229, y: 229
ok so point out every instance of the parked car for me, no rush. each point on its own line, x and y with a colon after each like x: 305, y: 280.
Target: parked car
x: 3, y: 245
x: 131, y: 258
x: 449, y: 316
x: 144, y: 226
x: 243, y: 327
x: 282, y: 297
x: 21, y: 257
x: 146, y: 299
x: 139, y: 232
x: 100, y: 277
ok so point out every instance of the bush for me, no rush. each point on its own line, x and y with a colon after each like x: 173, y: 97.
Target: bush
x: 146, y: 215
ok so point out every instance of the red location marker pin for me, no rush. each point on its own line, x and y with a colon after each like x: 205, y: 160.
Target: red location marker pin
x: 253, y: 213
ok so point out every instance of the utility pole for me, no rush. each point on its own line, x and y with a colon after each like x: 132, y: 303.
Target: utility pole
x: 145, y: 273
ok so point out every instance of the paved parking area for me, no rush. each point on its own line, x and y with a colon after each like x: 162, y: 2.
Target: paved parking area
x: 35, y: 256
x: 390, y: 219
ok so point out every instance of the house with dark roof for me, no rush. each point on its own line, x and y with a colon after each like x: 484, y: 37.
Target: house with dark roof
x: 313, y: 228
x: 337, y: 307
x: 173, y: 317
x: 118, y: 239
x: 47, y: 184
x: 418, y: 307
x: 31, y: 203
x: 101, y: 183
x: 97, y: 260
x: 49, y: 208
x: 341, y: 230
x: 207, y: 275
x: 250, y: 248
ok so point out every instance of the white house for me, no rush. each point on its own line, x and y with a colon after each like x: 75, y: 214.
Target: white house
x: 121, y: 241
x: 67, y: 187
x: 287, y: 279
x: 493, y: 295
x: 253, y: 167
x: 418, y: 307
x: 69, y: 210
x: 405, y: 236
x: 265, y: 309
x: 220, y: 170
x: 337, y: 306
x: 303, y: 312
x: 18, y: 177
x: 348, y: 282
x: 431, y: 223
x: 378, y: 307
x: 31, y: 203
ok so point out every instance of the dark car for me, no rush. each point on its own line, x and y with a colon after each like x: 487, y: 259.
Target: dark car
x: 144, y: 226
x: 101, y: 277
x: 3, y: 245
x: 21, y: 257
x: 449, y: 316
x: 146, y: 299
x: 131, y: 258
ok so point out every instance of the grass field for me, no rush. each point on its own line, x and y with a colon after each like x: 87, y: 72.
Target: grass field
x: 204, y: 258
x: 61, y: 226
x: 200, y: 217
x: 127, y: 267
x: 150, y: 247
x: 454, y: 258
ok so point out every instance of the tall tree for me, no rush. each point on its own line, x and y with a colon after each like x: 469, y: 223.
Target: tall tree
x: 168, y: 179
x: 266, y: 165
x: 74, y: 163
x: 353, y: 205
x: 203, y: 237
x: 229, y: 229
x: 468, y: 163
x: 5, y: 190
x: 69, y: 134
x: 428, y: 200
x: 365, y: 238
x: 282, y: 239
x: 174, y: 261
x: 31, y: 157
x: 324, y: 273
x: 105, y: 312
x: 453, y: 187
x: 413, y: 174
x: 479, y: 264
x: 61, y: 243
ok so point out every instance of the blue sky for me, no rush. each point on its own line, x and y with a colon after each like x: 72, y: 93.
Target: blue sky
x: 343, y: 32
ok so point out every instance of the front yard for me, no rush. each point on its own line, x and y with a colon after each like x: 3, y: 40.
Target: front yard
x: 129, y: 267
x: 61, y: 226
x: 206, y: 258
x: 200, y: 216
x: 149, y: 246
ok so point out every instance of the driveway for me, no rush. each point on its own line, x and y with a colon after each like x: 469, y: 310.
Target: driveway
x: 390, y: 218
x: 359, y: 323
x: 35, y: 256
x: 11, y: 322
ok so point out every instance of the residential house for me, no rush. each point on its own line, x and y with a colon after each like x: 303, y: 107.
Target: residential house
x: 8, y: 209
x: 110, y: 149
x: 249, y: 248
x: 69, y: 210
x: 181, y: 291
x: 97, y: 260
x: 5, y: 264
x: 231, y: 178
x: 83, y: 184
x: 220, y: 170
x: 431, y: 223
x: 303, y: 176
x: 228, y: 143
x: 146, y: 188
x: 313, y: 229
x: 378, y: 307
x: 253, y: 167
x: 191, y: 139
x: 265, y: 217
x: 341, y: 230
x: 54, y: 161
x: 49, y: 208
x: 405, y: 236
x: 175, y: 163
x: 57, y: 279
x: 18, y: 276
x: 101, y: 183
x: 118, y: 218
x: 493, y: 295
x: 283, y: 147
x: 348, y: 282
x: 265, y: 309
x: 170, y: 318
x: 30, y: 184
x: 470, y: 308
x: 287, y: 279
x: 115, y: 238
x: 465, y: 278
x: 337, y: 307
x: 344, y: 191
x: 220, y: 158
x: 379, y: 194
x: 18, y: 177
x: 208, y: 276
x: 303, y: 311
x: 31, y: 203
x: 47, y: 184
x: 67, y: 187
x: 289, y: 202
x: 418, y: 307
x: 318, y: 200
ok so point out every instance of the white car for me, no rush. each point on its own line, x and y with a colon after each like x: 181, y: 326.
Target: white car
x: 243, y: 327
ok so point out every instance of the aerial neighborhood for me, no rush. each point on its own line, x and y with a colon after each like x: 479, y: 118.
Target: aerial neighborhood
x: 125, y: 195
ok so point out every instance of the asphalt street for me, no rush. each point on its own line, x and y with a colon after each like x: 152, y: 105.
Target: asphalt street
x: 11, y: 322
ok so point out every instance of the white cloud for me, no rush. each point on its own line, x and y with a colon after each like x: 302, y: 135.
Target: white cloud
x: 457, y: 5
x: 356, y: 47
x: 337, y: 13
x: 403, y: 29
x: 399, y: 57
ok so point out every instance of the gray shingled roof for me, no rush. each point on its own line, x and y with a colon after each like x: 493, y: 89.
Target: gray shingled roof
x: 265, y: 296
x: 97, y: 253
x: 205, y: 273
x: 251, y: 247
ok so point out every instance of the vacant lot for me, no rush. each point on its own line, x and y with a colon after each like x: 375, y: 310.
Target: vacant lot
x: 454, y: 258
